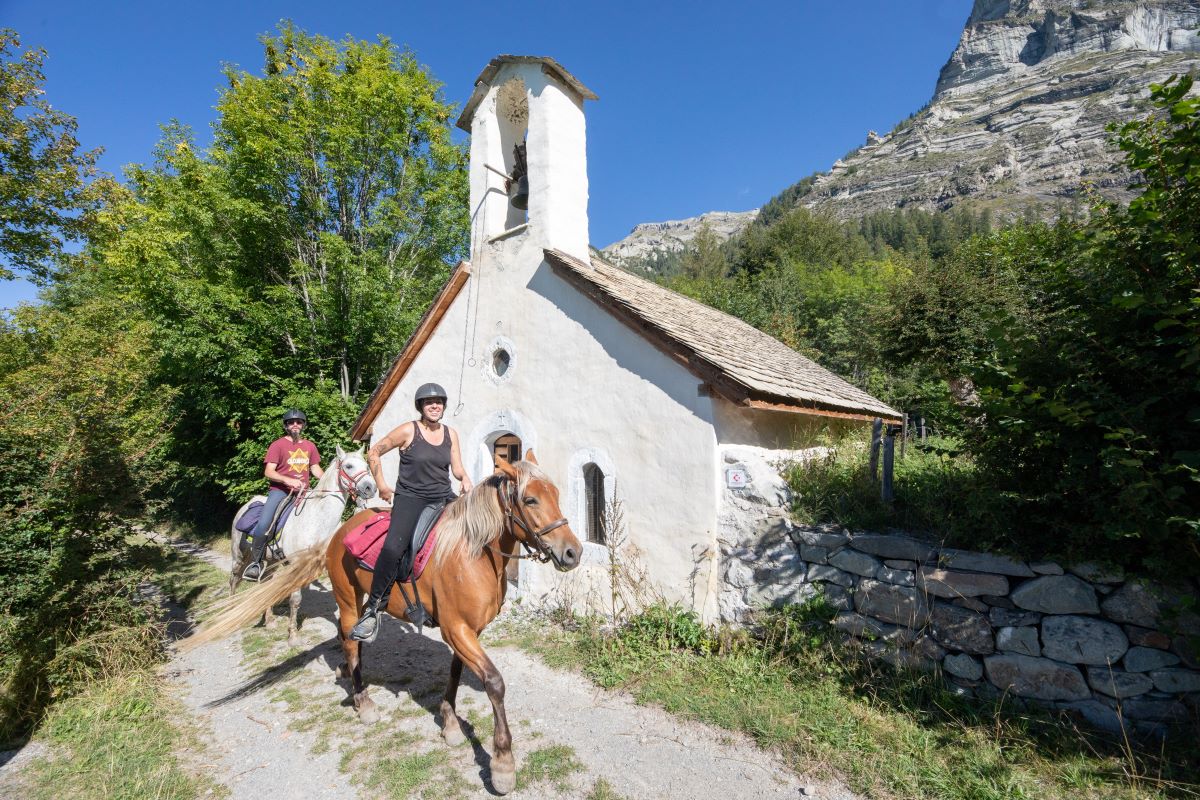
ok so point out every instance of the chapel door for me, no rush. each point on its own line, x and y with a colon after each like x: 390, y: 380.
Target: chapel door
x: 508, y: 449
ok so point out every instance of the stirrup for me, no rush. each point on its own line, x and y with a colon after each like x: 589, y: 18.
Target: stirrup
x: 367, y: 627
x: 417, y: 615
x: 255, y: 567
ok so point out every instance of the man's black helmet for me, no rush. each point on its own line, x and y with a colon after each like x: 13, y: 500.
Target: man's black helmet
x: 429, y: 391
x: 291, y: 414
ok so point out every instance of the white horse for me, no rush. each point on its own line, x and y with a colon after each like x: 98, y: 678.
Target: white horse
x: 314, y: 519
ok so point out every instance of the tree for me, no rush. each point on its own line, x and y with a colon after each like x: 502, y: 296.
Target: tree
x: 43, y: 175
x: 703, y: 257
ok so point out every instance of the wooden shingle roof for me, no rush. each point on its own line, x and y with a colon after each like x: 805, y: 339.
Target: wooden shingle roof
x: 745, y: 365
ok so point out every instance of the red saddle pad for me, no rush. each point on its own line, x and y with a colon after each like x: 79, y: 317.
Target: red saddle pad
x: 366, y: 542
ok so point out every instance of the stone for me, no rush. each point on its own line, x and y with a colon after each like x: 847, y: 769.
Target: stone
x: 1115, y: 683
x: 837, y: 597
x: 864, y: 627
x: 822, y: 572
x: 963, y: 666
x: 1187, y: 651
x: 1003, y: 617
x: 983, y: 562
x: 900, y: 564
x: 1145, y: 637
x: 1038, y: 678
x: 739, y: 574
x: 778, y: 593
x: 900, y: 577
x: 1056, y: 594
x: 1018, y: 640
x: 1045, y: 568
x: 947, y: 583
x: 1082, y: 640
x: 1141, y: 708
x: 896, y: 604
x: 926, y: 648
x: 856, y: 563
x: 814, y: 554
x: 998, y: 602
x: 820, y: 537
x: 971, y: 603
x: 899, y: 657
x: 1097, y: 573
x: 889, y: 546
x: 1097, y: 714
x: 1134, y: 603
x: 1176, y: 681
x: 1144, y: 659
x: 961, y: 629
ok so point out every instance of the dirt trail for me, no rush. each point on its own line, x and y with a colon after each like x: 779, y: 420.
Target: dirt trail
x: 279, y: 724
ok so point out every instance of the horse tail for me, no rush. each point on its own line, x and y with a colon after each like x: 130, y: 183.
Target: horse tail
x: 236, y: 612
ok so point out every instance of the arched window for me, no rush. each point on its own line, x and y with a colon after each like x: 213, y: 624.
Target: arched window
x: 593, y: 484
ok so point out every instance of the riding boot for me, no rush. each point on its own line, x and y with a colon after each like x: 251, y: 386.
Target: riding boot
x: 254, y: 569
x: 367, y: 627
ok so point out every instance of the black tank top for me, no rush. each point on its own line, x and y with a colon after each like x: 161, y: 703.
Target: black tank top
x: 424, y: 468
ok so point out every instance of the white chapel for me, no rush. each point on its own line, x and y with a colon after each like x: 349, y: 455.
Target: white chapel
x: 624, y: 389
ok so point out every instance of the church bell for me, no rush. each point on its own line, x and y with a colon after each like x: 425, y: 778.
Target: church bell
x: 518, y: 185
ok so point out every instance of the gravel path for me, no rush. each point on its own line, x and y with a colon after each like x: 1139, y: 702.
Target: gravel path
x: 278, y: 723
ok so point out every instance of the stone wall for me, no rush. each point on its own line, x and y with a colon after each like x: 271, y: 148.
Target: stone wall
x: 1104, y: 645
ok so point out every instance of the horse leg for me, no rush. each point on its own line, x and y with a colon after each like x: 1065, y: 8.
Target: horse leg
x: 293, y: 619
x: 465, y: 643
x: 348, y: 612
x: 451, y: 730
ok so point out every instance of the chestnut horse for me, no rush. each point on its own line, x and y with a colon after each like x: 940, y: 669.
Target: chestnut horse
x: 462, y: 587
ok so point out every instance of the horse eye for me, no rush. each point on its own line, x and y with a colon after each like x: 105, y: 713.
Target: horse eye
x: 531, y: 501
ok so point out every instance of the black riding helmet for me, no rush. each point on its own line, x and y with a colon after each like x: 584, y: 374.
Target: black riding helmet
x: 291, y: 414
x: 429, y: 391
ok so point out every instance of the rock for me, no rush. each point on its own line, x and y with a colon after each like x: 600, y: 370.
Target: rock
x: 1096, y: 573
x: 1186, y: 649
x: 899, y: 657
x: 1133, y: 603
x: 836, y: 596
x: 896, y: 604
x: 889, y: 546
x: 1145, y: 637
x: 1175, y: 681
x: 778, y: 593
x: 1115, y: 683
x: 1056, y: 594
x: 1144, y: 659
x: 983, y: 562
x: 900, y: 577
x: 998, y: 602
x: 1018, y: 640
x: 1045, y: 568
x: 821, y: 572
x: 830, y: 540
x: 1141, y: 708
x: 1003, y: 617
x: 864, y: 627
x: 928, y: 650
x: 672, y: 236
x: 900, y: 564
x: 961, y: 629
x: 1096, y: 714
x: 739, y: 574
x: 855, y: 562
x: 814, y: 554
x: 946, y: 583
x: 1082, y: 640
x: 963, y: 666
x: 1038, y: 678
x: 971, y: 603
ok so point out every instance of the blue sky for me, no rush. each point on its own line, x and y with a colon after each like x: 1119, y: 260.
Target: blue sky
x: 703, y: 105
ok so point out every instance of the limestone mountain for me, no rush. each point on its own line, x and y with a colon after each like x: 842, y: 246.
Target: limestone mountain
x: 1017, y: 118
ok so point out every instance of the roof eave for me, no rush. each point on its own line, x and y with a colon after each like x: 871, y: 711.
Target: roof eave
x: 488, y: 74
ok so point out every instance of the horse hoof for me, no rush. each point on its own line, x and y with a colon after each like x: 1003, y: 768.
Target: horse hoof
x: 368, y: 715
x: 504, y: 780
x: 453, y: 735
x: 293, y: 643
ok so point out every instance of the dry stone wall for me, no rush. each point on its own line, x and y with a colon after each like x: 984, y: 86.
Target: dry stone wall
x: 1108, y: 647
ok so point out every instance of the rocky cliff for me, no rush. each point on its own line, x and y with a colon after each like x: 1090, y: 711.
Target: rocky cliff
x: 1020, y: 109
x: 1017, y: 118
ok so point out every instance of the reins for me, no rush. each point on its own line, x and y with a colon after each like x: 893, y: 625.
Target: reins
x: 347, y: 487
x: 538, y: 550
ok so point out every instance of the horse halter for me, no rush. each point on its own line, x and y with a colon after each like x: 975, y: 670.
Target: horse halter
x: 538, y: 550
x: 347, y: 481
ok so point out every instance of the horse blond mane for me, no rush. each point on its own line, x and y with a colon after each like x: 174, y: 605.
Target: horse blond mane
x: 475, y: 519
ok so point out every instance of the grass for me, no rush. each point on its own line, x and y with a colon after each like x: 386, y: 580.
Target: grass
x: 887, y: 734
x: 555, y: 763
x: 602, y: 790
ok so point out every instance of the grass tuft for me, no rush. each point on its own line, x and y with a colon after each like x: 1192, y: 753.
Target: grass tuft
x: 555, y: 763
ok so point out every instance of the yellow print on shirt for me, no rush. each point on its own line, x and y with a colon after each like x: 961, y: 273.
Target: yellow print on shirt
x: 298, y: 461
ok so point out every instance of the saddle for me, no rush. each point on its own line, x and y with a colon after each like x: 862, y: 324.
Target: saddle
x: 254, y: 513
x: 366, y: 541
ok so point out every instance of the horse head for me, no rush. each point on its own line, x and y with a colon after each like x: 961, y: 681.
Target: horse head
x: 530, y: 503
x: 354, y: 476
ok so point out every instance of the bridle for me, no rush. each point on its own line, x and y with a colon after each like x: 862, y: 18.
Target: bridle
x: 536, y: 548
x: 347, y: 486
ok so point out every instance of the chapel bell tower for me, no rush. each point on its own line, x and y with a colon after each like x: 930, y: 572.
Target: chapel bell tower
x: 528, y: 155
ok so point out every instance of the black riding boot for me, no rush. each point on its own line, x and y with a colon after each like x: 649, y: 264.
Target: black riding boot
x: 254, y: 569
x: 367, y: 627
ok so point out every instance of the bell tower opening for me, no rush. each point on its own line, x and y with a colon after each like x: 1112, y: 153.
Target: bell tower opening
x: 512, y: 113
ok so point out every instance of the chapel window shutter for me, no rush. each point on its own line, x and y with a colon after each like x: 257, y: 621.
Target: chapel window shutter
x: 593, y: 482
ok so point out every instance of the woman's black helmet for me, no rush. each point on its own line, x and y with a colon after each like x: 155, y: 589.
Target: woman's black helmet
x: 291, y: 414
x: 429, y: 391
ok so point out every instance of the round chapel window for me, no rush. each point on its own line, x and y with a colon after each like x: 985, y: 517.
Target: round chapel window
x: 500, y: 361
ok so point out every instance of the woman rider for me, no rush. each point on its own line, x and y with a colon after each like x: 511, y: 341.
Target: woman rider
x: 427, y: 449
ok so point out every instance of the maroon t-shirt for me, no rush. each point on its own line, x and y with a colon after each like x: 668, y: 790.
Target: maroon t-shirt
x: 292, y: 460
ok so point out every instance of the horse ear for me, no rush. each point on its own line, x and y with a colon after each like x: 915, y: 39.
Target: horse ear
x: 341, y: 453
x: 506, y: 468
x: 530, y: 457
